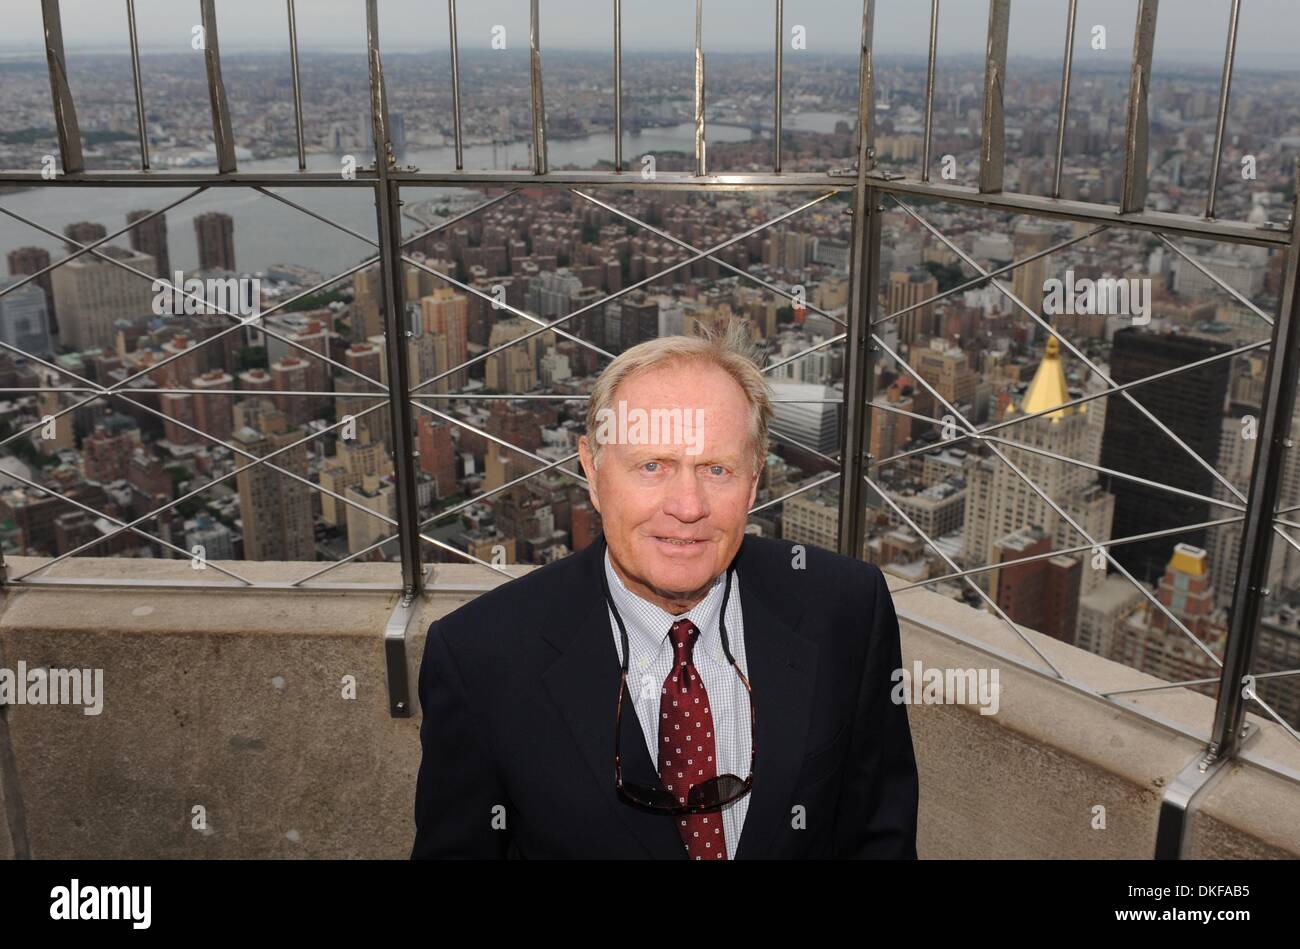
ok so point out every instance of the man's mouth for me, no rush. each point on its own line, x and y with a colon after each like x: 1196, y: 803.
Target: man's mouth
x: 678, y: 541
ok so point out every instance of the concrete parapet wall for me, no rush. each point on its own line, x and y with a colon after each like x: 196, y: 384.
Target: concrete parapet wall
x: 232, y: 701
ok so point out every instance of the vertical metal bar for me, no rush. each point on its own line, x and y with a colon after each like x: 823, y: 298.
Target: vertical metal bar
x: 65, y: 112
x: 388, y: 209
x: 222, y: 136
x: 1134, y: 194
x: 455, y: 85
x: 539, y: 107
x: 863, y: 289
x: 1063, y: 118
x: 866, y: 143
x: 701, y: 164
x: 1272, y: 446
x: 776, y: 117
x: 929, y: 90
x: 1225, y: 84
x: 141, y: 123
x: 618, y: 85
x: 992, y: 128
x: 297, y: 86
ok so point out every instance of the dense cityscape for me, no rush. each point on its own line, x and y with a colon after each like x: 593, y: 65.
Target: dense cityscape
x: 166, y: 450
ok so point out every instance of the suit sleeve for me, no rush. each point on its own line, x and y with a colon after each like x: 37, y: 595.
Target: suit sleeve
x: 876, y: 814
x: 459, y: 798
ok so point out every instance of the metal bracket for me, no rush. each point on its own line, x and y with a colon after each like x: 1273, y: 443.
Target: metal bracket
x: 1180, y: 800
x: 396, y: 669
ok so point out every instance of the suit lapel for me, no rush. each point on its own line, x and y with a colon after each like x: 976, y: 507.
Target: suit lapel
x: 782, y: 666
x: 583, y: 683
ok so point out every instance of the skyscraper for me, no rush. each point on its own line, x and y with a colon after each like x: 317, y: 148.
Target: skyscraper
x: 1191, y: 404
x: 24, y: 319
x: 216, y: 236
x: 84, y: 232
x: 275, y: 512
x: 30, y: 260
x: 151, y: 238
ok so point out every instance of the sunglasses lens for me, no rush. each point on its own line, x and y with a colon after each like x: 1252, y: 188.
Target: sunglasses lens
x: 716, y: 791
x: 655, y: 797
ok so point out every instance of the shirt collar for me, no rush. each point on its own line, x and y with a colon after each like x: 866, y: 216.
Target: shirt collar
x: 649, y: 623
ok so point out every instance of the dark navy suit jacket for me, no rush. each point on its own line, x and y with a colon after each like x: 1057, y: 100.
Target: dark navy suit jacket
x: 518, y: 690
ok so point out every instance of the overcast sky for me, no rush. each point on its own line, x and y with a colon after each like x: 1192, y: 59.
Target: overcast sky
x: 1186, y: 28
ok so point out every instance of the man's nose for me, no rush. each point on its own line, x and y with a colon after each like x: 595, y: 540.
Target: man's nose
x: 684, y: 498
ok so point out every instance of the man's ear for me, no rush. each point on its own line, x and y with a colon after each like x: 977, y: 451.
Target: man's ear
x: 588, y: 469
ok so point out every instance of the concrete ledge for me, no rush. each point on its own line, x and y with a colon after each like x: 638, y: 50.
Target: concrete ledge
x: 232, y: 701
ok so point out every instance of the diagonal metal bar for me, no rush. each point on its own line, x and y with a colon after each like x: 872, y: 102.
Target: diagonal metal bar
x: 829, y: 341
x: 222, y: 135
x: 117, y: 520
x: 1061, y: 512
x: 1078, y: 353
x: 1219, y: 281
x: 509, y: 308
x: 215, y: 481
x: 975, y: 281
x: 1181, y: 492
x: 671, y: 268
x: 1274, y: 715
x: 320, y: 217
x: 785, y: 497
x: 101, y: 391
x: 442, y: 225
x: 695, y: 250
x: 240, y: 321
x: 1079, y: 548
x: 461, y: 423
x: 1019, y: 418
x: 84, y: 248
x: 997, y: 610
x: 442, y: 545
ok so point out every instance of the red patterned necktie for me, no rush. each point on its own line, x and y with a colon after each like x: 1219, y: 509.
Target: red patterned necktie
x: 686, y: 745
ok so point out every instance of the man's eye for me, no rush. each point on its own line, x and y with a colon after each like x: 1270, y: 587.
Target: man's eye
x: 648, y: 465
x: 718, y: 470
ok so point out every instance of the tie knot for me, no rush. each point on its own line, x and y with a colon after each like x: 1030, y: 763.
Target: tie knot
x: 683, y: 633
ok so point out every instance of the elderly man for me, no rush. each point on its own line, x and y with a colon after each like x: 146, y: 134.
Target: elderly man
x: 678, y: 688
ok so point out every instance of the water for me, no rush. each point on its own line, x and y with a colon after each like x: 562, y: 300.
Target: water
x: 269, y: 232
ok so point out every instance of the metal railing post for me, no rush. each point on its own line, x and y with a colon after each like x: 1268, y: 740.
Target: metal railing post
x: 65, y: 112
x: 388, y: 208
x: 1271, y: 450
x: 1134, y: 194
x: 223, y: 136
x: 863, y: 288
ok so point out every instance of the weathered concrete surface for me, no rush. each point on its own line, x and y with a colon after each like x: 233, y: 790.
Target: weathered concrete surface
x: 232, y: 701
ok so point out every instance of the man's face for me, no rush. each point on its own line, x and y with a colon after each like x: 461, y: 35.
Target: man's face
x: 667, y: 483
